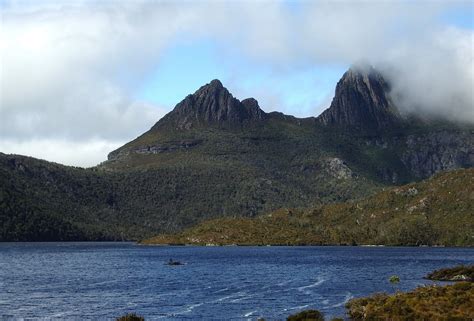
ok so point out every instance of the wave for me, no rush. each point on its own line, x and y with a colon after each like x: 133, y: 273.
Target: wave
x: 235, y: 295
x: 249, y: 314
x: 312, y: 285
x: 299, y: 307
x: 283, y: 283
x: 177, y: 314
x: 191, y: 307
x: 244, y: 297
x: 346, y: 299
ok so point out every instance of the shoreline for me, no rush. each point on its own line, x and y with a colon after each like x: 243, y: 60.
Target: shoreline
x: 298, y: 245
x: 139, y: 243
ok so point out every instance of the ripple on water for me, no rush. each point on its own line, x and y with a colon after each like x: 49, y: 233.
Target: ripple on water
x: 305, y: 288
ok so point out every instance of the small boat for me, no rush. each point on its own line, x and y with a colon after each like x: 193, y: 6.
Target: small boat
x: 172, y: 262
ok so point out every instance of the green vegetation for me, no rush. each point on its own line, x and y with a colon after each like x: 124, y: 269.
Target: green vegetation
x: 458, y: 273
x: 308, y: 315
x: 42, y: 201
x: 452, y: 302
x: 394, y: 281
x: 131, y: 317
x: 436, y: 211
x: 167, y: 180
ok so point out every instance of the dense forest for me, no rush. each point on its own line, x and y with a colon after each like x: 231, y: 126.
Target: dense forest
x: 436, y: 211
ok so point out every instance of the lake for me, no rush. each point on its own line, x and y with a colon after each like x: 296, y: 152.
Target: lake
x: 80, y: 281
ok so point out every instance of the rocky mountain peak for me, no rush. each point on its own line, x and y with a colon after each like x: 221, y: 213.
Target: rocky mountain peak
x: 212, y: 104
x: 362, y: 101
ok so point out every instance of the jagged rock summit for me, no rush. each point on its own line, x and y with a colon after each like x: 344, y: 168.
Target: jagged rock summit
x: 212, y: 104
x: 362, y: 101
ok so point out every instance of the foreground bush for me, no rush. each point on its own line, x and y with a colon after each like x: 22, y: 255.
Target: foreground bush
x: 451, y: 302
x: 130, y: 317
x: 308, y: 315
x: 458, y: 273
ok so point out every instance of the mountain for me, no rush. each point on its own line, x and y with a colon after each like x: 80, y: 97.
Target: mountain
x: 216, y: 156
x: 361, y: 125
x: 362, y: 101
x: 212, y: 104
x: 436, y: 211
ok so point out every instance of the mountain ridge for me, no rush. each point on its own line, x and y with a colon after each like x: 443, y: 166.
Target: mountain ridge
x: 212, y: 104
x: 361, y: 107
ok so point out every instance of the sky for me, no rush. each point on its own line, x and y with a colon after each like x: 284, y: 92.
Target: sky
x: 79, y: 79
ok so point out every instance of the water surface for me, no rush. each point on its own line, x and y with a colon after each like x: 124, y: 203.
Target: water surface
x: 81, y: 281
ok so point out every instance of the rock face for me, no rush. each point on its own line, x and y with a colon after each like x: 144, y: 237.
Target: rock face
x: 361, y: 101
x: 426, y: 155
x: 156, y: 148
x: 212, y: 104
x: 338, y: 168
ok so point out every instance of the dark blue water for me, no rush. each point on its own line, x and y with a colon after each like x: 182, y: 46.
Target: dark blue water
x: 104, y: 280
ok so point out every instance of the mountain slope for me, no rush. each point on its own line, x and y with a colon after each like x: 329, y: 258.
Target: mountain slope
x: 117, y: 205
x: 216, y: 156
x: 437, y: 211
x: 362, y: 128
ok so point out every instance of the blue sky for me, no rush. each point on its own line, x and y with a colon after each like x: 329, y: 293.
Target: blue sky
x: 461, y: 16
x: 302, y: 90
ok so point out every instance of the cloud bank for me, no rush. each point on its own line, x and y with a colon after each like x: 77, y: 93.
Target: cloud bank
x: 69, y: 70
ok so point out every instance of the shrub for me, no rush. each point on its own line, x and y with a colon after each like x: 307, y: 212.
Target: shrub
x: 308, y: 315
x: 457, y: 273
x: 130, y: 317
x: 451, y: 302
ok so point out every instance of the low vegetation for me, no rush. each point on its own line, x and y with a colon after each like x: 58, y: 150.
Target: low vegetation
x: 451, y: 302
x: 130, y: 317
x: 436, y: 211
x: 458, y: 273
x: 308, y: 315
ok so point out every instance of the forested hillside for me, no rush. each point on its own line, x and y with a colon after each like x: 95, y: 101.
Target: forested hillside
x: 436, y: 211
x: 216, y: 156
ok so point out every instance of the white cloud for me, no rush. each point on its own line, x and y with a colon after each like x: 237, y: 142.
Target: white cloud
x: 85, y: 153
x: 66, y: 72
x: 69, y: 69
x: 435, y: 75
x: 429, y: 63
